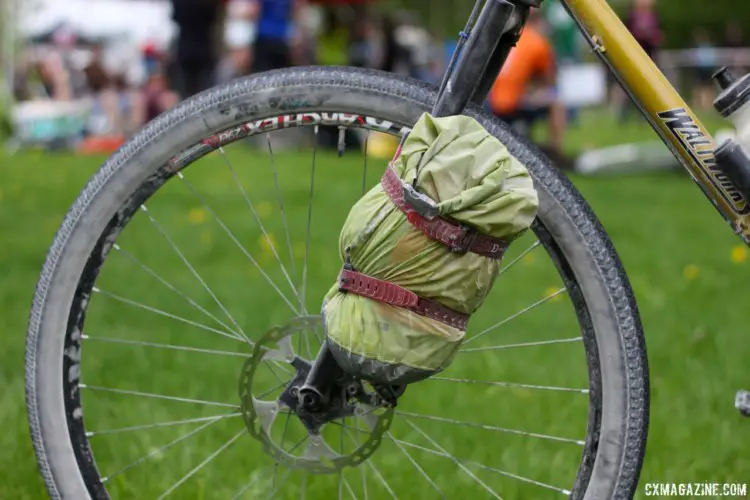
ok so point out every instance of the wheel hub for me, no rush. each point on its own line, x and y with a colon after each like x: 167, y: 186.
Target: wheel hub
x: 347, y: 398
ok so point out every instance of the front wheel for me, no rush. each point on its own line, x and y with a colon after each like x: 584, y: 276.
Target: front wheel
x: 175, y: 278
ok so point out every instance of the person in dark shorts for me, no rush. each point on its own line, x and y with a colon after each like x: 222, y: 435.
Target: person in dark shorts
x: 197, y: 51
x: 278, y: 33
x: 705, y: 65
x: 525, y: 91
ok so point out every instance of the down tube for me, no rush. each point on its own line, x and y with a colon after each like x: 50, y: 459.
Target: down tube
x: 667, y: 112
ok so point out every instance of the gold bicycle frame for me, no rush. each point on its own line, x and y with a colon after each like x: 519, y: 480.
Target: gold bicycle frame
x: 660, y: 103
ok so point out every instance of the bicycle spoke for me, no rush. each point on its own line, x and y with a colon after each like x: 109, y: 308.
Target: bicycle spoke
x: 348, y: 487
x: 514, y: 316
x: 309, y: 220
x: 364, y: 168
x: 362, y: 470
x: 192, y: 269
x: 341, y: 448
x: 201, y: 465
x: 275, y: 473
x: 166, y: 283
x: 416, y: 465
x: 523, y: 344
x: 374, y: 469
x: 164, y: 346
x: 185, y: 348
x: 279, y: 366
x: 510, y: 384
x: 274, y: 388
x: 484, y: 467
x: 156, y: 396
x: 161, y: 424
x: 258, y: 475
x: 307, y: 346
x: 456, y: 461
x: 517, y: 259
x: 490, y: 427
x: 257, y: 219
x: 168, y: 315
x: 381, y: 479
x: 153, y: 453
x: 281, y: 204
x: 286, y: 429
x: 283, y: 482
x: 237, y: 243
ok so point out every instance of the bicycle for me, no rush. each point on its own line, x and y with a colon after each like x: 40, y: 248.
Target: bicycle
x: 610, y: 456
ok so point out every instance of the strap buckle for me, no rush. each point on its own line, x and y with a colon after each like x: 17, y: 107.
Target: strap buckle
x: 463, y: 244
x: 342, y: 280
x: 420, y: 203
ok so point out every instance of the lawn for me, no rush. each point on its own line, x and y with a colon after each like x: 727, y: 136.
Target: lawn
x: 688, y: 270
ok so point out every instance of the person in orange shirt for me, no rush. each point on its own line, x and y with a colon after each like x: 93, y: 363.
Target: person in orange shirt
x: 525, y: 90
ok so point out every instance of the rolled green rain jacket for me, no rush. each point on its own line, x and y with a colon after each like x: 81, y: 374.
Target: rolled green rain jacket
x: 474, y: 181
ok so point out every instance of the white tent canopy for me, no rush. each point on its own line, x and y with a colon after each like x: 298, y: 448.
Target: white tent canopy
x: 128, y: 24
x: 137, y: 20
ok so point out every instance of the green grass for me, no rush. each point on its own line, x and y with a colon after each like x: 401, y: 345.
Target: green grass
x: 689, y: 273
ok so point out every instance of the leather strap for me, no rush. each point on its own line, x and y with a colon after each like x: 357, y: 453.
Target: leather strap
x: 457, y: 237
x: 395, y: 295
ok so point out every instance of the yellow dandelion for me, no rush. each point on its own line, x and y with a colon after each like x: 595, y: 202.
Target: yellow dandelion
x: 691, y: 272
x: 263, y: 209
x: 553, y: 290
x: 381, y: 146
x: 268, y: 243
x: 197, y: 215
x: 521, y: 392
x: 528, y: 259
x: 739, y: 254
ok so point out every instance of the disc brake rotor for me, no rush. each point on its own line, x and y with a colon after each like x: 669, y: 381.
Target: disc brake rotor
x: 275, y: 347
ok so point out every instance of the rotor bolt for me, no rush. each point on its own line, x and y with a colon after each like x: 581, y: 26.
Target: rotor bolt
x: 352, y: 389
x: 294, y: 392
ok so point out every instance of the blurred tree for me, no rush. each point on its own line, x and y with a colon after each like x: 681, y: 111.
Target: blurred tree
x: 447, y: 17
x: 9, y: 21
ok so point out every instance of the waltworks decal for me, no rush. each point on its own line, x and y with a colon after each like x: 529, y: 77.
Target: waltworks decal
x: 701, y: 150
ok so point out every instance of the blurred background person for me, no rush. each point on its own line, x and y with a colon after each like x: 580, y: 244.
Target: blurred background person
x: 279, y: 40
x: 333, y: 40
x: 705, y: 66
x: 645, y: 25
x: 566, y: 40
x: 200, y: 22
x: 525, y: 90
x: 155, y: 97
x: 366, y: 42
x: 239, y: 36
x: 107, y: 101
x: 734, y: 38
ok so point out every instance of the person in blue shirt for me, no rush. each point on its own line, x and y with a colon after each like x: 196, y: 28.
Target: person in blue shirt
x: 278, y: 33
